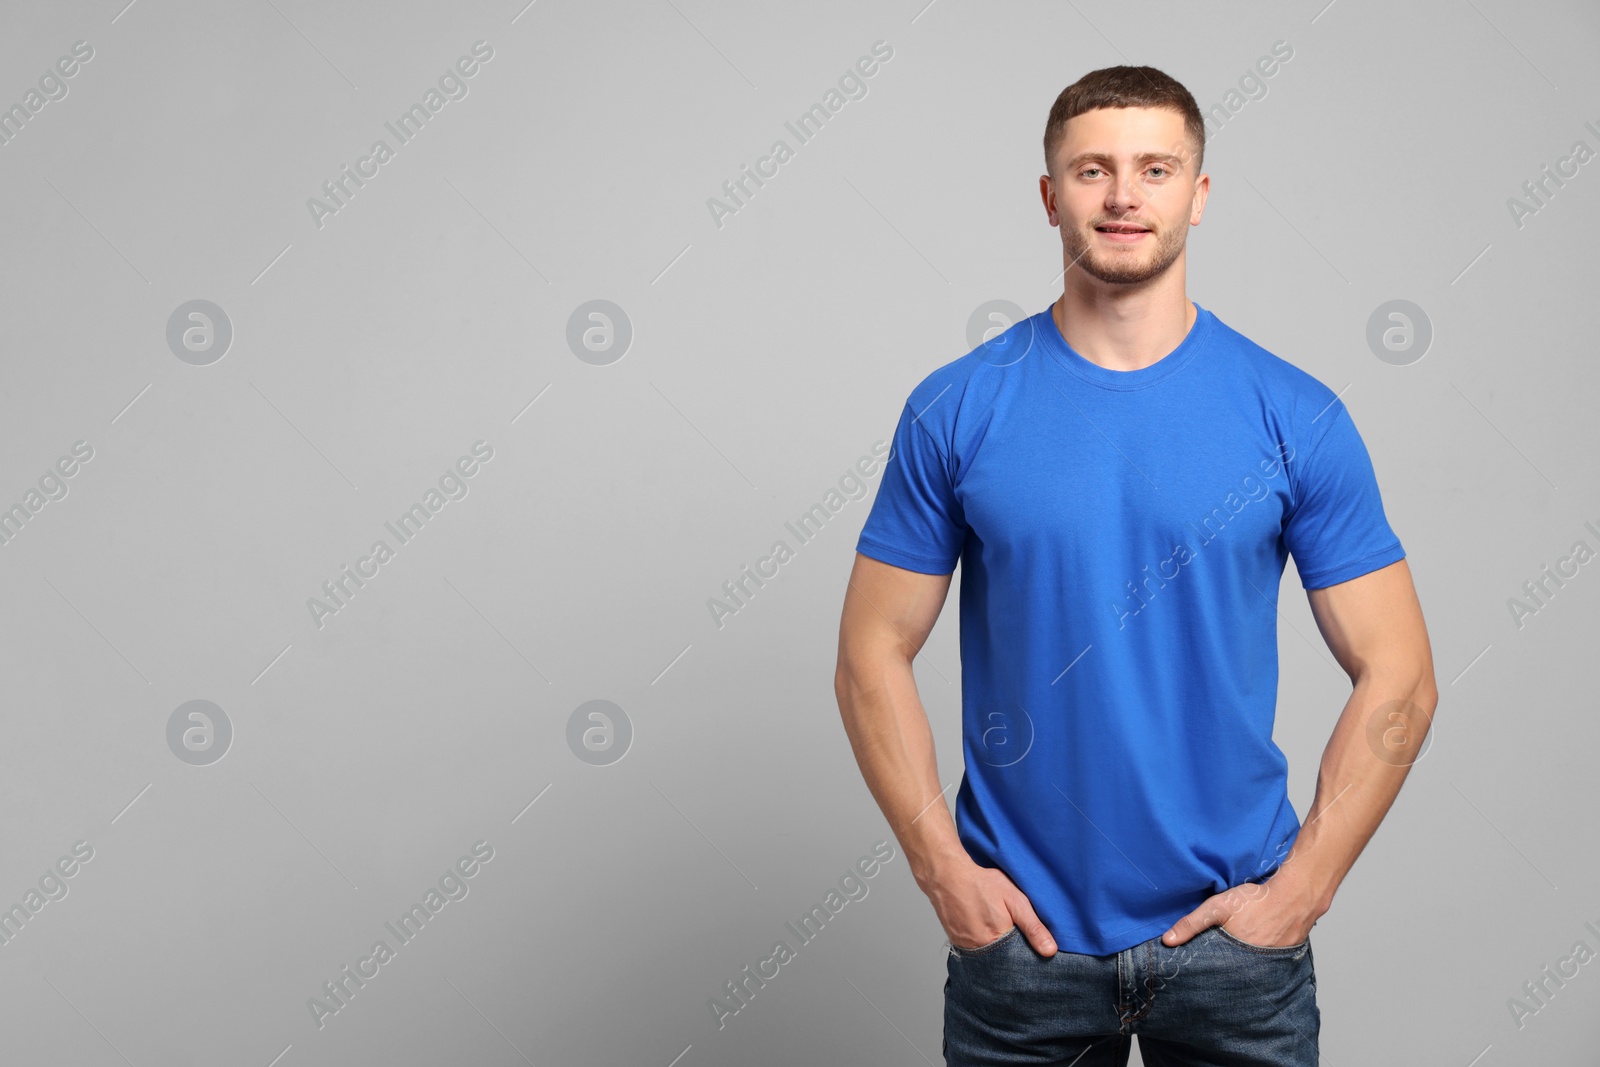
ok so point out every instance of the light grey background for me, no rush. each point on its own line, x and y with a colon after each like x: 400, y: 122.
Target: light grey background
x: 768, y: 355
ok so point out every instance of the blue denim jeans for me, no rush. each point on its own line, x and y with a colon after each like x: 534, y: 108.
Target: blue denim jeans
x: 1213, y: 1001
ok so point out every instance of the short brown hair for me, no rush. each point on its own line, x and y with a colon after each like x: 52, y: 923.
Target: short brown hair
x: 1123, y: 87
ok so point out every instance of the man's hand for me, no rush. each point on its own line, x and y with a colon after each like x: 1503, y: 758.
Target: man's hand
x: 1276, y: 913
x: 977, y: 905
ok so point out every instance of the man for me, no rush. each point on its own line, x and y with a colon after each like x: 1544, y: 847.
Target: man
x: 1122, y: 477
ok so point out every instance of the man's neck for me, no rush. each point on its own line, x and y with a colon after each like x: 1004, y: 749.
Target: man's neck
x: 1124, y: 333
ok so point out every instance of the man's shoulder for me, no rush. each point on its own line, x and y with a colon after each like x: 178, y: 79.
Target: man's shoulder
x: 1277, y: 376
x: 977, y: 377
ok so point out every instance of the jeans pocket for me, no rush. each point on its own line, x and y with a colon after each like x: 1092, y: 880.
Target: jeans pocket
x: 967, y: 953
x: 1265, y: 950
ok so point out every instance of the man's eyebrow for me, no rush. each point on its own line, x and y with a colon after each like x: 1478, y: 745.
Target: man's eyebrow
x: 1143, y: 157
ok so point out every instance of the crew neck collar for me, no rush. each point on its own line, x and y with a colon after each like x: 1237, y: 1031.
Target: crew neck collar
x: 1105, y: 377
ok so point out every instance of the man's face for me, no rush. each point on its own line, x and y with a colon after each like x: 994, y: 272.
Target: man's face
x: 1125, y: 192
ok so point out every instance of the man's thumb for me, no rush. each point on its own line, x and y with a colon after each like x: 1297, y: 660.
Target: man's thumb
x: 1185, y: 928
x: 1027, y: 921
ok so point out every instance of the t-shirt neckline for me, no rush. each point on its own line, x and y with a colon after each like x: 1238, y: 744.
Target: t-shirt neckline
x: 1105, y: 377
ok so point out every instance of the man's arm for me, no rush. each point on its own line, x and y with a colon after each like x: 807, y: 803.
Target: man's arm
x: 1374, y: 627
x: 888, y: 614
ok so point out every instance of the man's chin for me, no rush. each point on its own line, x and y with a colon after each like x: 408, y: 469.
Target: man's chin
x: 1123, y: 270
x: 1119, y: 274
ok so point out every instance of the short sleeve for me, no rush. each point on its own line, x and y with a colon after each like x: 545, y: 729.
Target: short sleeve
x: 1337, y: 530
x: 916, y: 522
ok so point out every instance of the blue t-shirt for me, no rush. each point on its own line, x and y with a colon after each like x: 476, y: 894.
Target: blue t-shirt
x: 1122, y: 536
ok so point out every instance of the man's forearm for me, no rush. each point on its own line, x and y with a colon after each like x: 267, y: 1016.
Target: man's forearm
x: 893, y: 744
x: 1366, y: 761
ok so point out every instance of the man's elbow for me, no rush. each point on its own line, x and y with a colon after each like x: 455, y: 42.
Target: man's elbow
x: 1407, y: 677
x: 845, y: 672
x: 850, y: 676
x: 1425, y: 694
x: 862, y: 670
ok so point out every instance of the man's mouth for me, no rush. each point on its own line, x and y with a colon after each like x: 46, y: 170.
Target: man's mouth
x: 1122, y: 233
